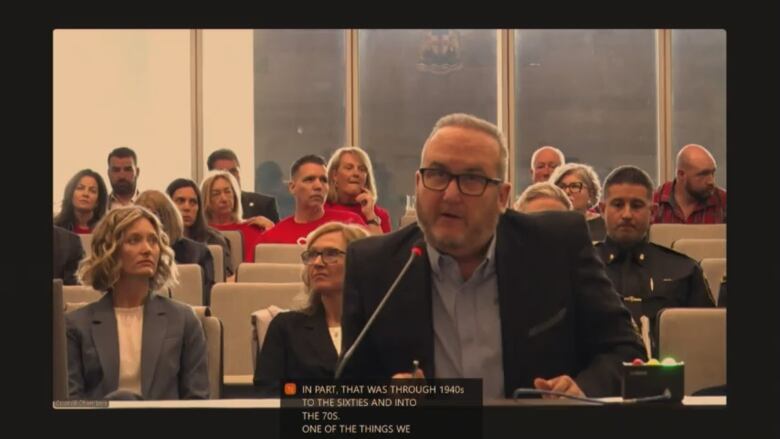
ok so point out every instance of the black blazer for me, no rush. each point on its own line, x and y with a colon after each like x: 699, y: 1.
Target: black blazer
x: 68, y: 252
x: 193, y: 252
x: 254, y: 204
x: 559, y: 312
x: 296, y: 346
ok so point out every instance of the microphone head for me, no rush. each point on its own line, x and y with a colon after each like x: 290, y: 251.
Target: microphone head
x: 419, y: 247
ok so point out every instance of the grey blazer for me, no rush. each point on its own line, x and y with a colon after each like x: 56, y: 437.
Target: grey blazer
x: 173, y: 351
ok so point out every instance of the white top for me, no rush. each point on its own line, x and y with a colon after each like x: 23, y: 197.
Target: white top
x: 129, y: 328
x: 335, y: 335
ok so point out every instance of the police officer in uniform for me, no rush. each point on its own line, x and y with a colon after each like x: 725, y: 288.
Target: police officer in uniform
x: 650, y: 277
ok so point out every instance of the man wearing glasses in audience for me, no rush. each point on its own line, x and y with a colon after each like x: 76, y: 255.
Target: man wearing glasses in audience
x: 520, y: 301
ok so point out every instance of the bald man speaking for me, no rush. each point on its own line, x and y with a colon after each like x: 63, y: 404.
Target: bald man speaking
x: 692, y: 197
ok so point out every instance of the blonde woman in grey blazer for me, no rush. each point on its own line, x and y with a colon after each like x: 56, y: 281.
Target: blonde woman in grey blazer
x: 133, y: 341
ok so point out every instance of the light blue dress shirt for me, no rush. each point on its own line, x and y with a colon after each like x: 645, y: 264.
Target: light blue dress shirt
x: 466, y: 322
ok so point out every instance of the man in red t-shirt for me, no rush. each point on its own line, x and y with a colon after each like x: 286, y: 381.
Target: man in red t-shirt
x: 309, y: 187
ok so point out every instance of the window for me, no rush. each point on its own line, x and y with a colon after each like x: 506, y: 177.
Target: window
x: 699, y: 93
x: 591, y: 93
x: 407, y: 80
x: 300, y: 103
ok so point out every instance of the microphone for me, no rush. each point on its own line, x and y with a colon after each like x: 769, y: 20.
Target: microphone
x: 417, y: 250
x: 665, y: 396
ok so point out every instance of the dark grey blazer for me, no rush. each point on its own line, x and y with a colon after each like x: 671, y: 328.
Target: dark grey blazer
x: 559, y: 312
x: 254, y: 204
x: 173, y: 351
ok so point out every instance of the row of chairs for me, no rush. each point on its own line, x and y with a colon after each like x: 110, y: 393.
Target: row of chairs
x: 699, y: 249
x: 662, y: 234
x: 696, y: 240
x: 189, y: 289
x: 231, y: 333
x: 231, y: 330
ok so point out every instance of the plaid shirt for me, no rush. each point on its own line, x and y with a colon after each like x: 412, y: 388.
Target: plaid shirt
x: 712, y: 211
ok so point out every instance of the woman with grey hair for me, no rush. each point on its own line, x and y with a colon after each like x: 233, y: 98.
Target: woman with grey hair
x: 541, y: 197
x: 133, y: 341
x: 582, y: 186
x: 306, y: 344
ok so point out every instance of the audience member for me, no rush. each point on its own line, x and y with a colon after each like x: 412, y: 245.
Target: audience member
x: 186, y: 195
x: 253, y: 205
x: 544, y: 161
x: 132, y: 339
x: 649, y: 277
x: 541, y: 197
x: 582, y: 186
x: 186, y: 251
x: 222, y: 210
x: 83, y: 203
x: 123, y: 172
x: 306, y: 344
x: 353, y: 188
x: 309, y: 186
x: 692, y: 197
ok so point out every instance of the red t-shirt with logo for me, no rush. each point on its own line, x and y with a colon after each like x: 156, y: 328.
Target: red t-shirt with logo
x: 287, y: 231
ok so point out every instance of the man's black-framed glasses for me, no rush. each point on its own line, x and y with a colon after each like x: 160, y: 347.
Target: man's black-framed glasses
x: 437, y: 179
x: 329, y: 255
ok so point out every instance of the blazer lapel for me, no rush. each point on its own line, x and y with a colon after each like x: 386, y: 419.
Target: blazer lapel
x: 106, y: 340
x: 515, y: 282
x: 318, y: 337
x: 154, y: 331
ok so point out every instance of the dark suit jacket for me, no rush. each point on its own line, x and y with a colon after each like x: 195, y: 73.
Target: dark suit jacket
x: 173, y: 351
x: 68, y: 251
x: 192, y: 252
x: 559, y: 312
x: 297, y: 346
x: 254, y: 204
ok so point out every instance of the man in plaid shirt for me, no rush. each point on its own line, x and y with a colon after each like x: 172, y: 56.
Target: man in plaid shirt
x: 692, y: 197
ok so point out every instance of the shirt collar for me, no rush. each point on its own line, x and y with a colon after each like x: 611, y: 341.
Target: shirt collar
x: 616, y: 252
x: 113, y: 199
x: 435, y: 258
x: 668, y: 197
